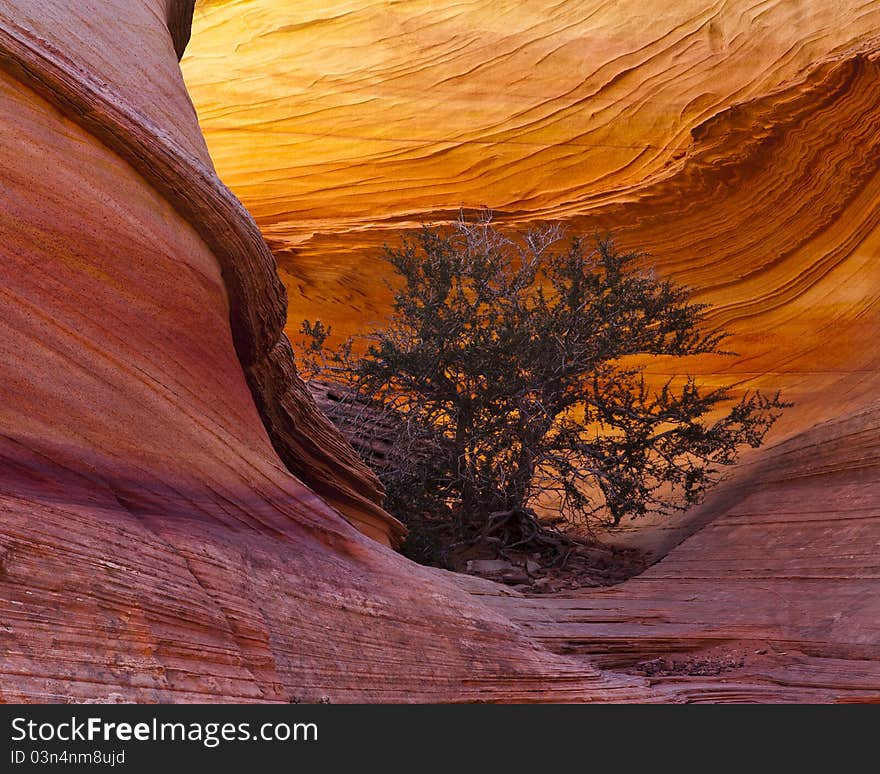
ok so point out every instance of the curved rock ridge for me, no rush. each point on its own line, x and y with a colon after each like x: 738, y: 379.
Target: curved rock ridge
x: 736, y: 143
x: 772, y: 216
x: 304, y: 440
x: 154, y: 544
x: 153, y: 547
x: 149, y: 82
x: 773, y: 599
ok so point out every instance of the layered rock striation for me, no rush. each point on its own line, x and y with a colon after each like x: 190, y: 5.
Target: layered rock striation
x: 256, y: 299
x: 175, y: 513
x: 736, y: 143
x: 154, y: 545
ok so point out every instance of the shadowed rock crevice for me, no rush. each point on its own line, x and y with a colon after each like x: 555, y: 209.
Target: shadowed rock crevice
x: 180, y: 13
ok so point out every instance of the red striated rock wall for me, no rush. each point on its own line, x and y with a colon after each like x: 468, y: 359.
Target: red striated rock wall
x: 154, y: 547
x: 736, y: 143
x: 171, y: 503
x: 257, y: 301
x: 773, y: 597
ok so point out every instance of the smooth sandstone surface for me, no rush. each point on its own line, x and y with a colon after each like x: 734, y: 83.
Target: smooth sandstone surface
x: 257, y: 300
x: 176, y: 515
x: 153, y: 547
x: 736, y: 142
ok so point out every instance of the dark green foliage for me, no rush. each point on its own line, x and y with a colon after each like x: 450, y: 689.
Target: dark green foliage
x: 513, y: 371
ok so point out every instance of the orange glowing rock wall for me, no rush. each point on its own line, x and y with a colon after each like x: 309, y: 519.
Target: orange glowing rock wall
x: 339, y: 124
x: 738, y: 143
x: 171, y: 503
x: 153, y: 546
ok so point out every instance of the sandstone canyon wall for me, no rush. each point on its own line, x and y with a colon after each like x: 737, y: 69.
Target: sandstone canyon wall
x: 736, y: 142
x: 154, y: 546
x: 175, y: 515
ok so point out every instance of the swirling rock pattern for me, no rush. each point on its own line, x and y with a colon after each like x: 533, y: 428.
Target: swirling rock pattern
x: 153, y: 546
x: 256, y: 297
x: 176, y: 517
x: 736, y: 142
x: 338, y: 125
